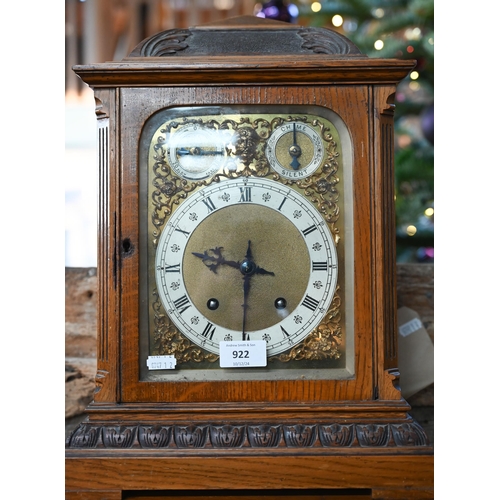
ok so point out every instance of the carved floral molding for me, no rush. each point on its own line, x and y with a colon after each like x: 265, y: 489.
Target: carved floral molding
x: 209, y: 436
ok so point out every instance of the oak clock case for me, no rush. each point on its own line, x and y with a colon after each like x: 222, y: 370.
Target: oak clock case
x: 246, y: 191
x: 243, y: 238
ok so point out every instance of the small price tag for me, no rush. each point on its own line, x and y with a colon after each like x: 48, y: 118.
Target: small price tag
x: 161, y: 362
x: 410, y: 327
x: 242, y: 353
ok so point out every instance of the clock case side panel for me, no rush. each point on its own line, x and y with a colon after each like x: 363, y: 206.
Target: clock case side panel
x: 384, y: 251
x: 338, y: 99
x: 108, y: 356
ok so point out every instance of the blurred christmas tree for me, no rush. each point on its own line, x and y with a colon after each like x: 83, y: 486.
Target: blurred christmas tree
x: 392, y: 29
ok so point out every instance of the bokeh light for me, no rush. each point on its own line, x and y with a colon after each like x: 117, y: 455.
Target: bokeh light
x: 315, y: 6
x: 411, y: 230
x: 337, y: 20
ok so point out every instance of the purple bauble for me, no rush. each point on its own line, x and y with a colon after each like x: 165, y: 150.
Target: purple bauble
x: 280, y: 10
x: 427, y: 123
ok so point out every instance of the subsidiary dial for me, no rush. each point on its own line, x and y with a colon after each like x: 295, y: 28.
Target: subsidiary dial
x: 196, y: 152
x: 295, y: 150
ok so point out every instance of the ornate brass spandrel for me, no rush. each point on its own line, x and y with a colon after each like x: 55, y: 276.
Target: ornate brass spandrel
x: 324, y: 342
x: 166, y: 191
x: 168, y: 341
x: 245, y: 154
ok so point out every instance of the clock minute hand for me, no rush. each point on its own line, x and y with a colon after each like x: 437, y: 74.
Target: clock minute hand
x: 248, y: 268
x: 246, y: 291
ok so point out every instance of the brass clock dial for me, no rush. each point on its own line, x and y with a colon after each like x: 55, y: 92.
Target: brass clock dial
x: 196, y: 152
x: 245, y: 237
x: 246, y: 259
x: 295, y: 150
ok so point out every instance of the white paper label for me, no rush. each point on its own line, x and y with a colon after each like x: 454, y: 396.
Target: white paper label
x: 242, y: 353
x: 161, y: 362
x: 410, y: 327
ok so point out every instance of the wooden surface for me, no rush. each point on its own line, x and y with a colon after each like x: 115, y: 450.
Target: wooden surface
x: 415, y: 289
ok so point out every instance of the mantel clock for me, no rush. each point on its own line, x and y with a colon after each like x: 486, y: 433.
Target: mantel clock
x: 246, y: 258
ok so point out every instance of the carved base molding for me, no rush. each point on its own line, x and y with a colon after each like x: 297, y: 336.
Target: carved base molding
x: 184, y: 436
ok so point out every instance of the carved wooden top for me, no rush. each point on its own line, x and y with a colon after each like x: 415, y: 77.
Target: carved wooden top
x: 245, y: 50
x: 245, y: 36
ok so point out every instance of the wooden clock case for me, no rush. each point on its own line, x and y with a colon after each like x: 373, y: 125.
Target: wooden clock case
x: 247, y: 436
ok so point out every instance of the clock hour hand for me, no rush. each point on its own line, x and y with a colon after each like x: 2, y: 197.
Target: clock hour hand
x: 213, y: 259
x: 248, y: 267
